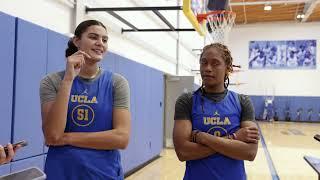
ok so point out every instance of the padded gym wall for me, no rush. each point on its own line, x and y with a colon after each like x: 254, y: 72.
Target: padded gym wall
x: 31, y: 56
x: 57, y: 44
x: 7, y: 36
x: 36, y: 161
x: 288, y: 106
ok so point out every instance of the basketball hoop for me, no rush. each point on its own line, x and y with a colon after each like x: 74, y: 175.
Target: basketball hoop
x: 217, y: 24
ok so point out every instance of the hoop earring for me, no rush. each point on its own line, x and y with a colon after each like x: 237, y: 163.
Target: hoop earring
x: 201, y: 88
x: 226, y: 82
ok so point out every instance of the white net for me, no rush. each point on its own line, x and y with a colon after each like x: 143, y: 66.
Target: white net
x: 218, y: 26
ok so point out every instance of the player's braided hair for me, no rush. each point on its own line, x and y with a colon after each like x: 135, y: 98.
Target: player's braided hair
x: 226, y: 55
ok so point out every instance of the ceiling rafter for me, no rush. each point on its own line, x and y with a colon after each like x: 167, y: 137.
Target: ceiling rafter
x: 308, y: 9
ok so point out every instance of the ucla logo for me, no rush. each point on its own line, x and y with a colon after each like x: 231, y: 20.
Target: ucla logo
x: 216, y: 121
x: 84, y: 99
x: 82, y: 115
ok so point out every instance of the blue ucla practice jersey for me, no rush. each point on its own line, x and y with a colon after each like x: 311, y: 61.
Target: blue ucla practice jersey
x: 219, y: 119
x: 90, y: 110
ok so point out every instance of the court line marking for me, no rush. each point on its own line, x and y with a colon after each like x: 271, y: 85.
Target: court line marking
x: 272, y: 169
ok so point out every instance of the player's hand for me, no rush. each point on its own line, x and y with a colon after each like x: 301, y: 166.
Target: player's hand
x: 5, y: 158
x: 193, y: 137
x: 248, y: 135
x: 74, y: 64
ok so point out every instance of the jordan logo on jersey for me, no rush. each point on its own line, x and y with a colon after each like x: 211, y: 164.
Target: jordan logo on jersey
x: 85, y: 91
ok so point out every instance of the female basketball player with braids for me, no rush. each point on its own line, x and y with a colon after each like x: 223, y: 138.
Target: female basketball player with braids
x: 214, y: 128
x: 85, y: 111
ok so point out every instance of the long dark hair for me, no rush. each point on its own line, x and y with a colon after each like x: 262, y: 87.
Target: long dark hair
x: 81, y: 28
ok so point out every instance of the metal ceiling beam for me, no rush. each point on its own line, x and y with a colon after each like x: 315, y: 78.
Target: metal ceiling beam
x: 122, y: 20
x: 167, y: 8
x: 155, y: 10
x: 157, y: 30
x: 308, y: 9
x: 163, y: 19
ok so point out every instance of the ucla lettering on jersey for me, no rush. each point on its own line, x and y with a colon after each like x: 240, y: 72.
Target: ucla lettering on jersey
x: 83, y: 99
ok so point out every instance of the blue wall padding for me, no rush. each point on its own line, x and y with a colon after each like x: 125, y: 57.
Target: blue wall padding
x: 293, y: 103
x: 109, y: 62
x: 36, y: 161
x: 31, y: 59
x: 57, y: 43
x: 5, y: 169
x: 157, y: 104
x: 7, y: 36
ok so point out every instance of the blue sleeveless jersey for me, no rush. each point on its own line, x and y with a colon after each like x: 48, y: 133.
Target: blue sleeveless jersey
x: 219, y: 119
x: 89, y: 110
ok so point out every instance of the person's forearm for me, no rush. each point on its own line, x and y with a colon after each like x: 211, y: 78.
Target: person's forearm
x: 192, y: 151
x: 55, y: 122
x: 103, y: 140
x: 231, y: 148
